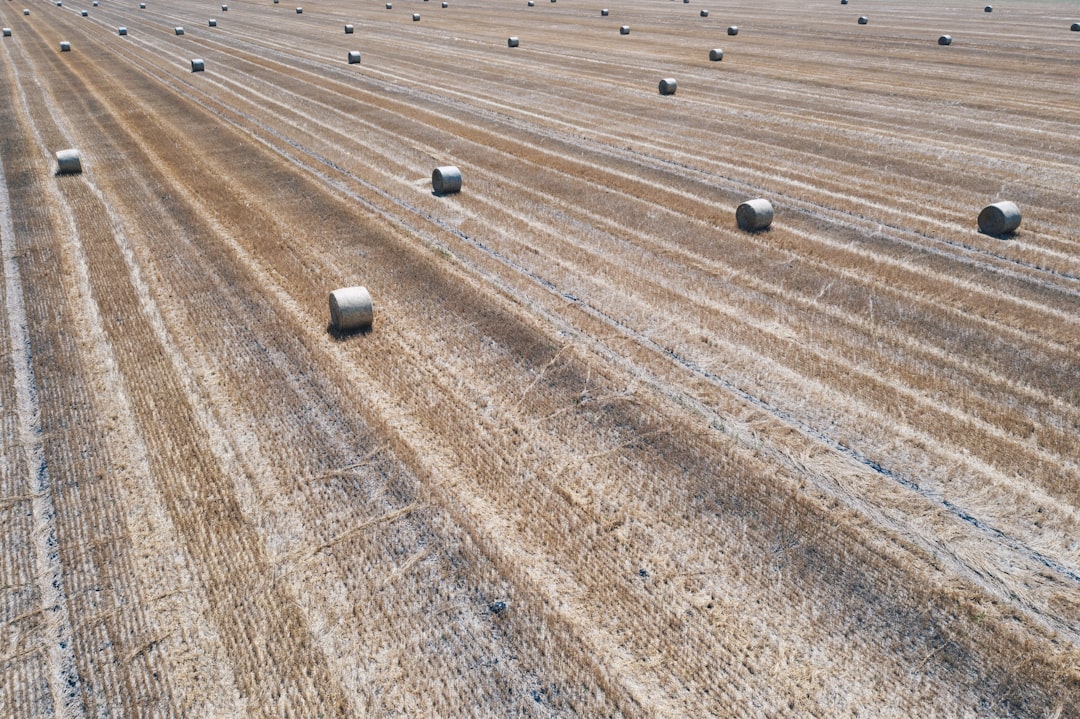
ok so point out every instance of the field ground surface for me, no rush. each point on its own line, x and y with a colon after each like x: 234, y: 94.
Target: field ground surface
x: 602, y: 454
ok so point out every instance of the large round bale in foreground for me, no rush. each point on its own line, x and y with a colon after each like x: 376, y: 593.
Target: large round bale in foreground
x: 863, y: 19
x: 733, y: 30
x: 446, y: 180
x: 754, y: 215
x: 668, y: 86
x: 198, y: 65
x: 7, y: 32
x: 716, y: 54
x: 354, y: 57
x: 348, y: 29
x: 350, y: 309
x: 945, y: 40
x: 512, y: 41
x: 68, y: 162
x: 122, y: 30
x: 1000, y: 218
x: 179, y: 31
x: 65, y: 46
x: 624, y: 30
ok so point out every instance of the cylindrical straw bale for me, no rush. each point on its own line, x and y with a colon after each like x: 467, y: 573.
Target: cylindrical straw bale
x: 212, y: 22
x: 142, y: 6
x: 25, y: 12
x: 716, y: 54
x: 416, y: 17
x: 224, y: 8
x: 843, y: 2
x: 354, y: 57
x: 179, y: 31
x: 68, y: 162
x: 863, y: 19
x: 65, y: 46
x: 945, y: 40
x: 198, y: 65
x: 299, y: 11
x: 532, y: 4
x: 445, y: 5
x: 1075, y: 26
x: 668, y: 86
x: 999, y: 218
x: 350, y: 309
x: 733, y: 30
x: 604, y: 12
x: 84, y: 13
x: 7, y: 32
x: 988, y: 8
x: 624, y: 30
x: 348, y: 29
x: 95, y: 3
x: 512, y: 41
x: 754, y: 215
x: 389, y: 6
x: 446, y: 180
x: 122, y: 30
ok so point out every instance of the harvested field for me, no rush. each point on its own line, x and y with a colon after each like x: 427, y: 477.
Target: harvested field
x: 601, y: 452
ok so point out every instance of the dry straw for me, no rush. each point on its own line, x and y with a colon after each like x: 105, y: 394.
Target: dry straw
x: 350, y: 309
x: 446, y: 180
x: 68, y: 162
x: 754, y: 215
x: 1000, y: 218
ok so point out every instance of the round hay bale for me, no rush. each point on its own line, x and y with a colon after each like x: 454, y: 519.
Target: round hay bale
x: 354, y: 57
x: 389, y: 6
x: 59, y: 4
x: 179, y: 31
x: 416, y: 17
x: 142, y: 6
x: 988, y: 8
x: 446, y: 180
x: 224, y: 8
x: 624, y: 30
x: 445, y: 5
x: 863, y: 19
x: 348, y: 29
x: 945, y: 40
x: 754, y: 215
x: 1075, y: 26
x: 7, y: 32
x: 95, y: 3
x: 122, y: 30
x: 532, y: 4
x: 1000, y: 218
x: 733, y: 30
x: 604, y: 12
x: 84, y: 13
x: 668, y: 86
x: 843, y: 2
x: 704, y: 13
x: 68, y: 162
x: 65, y: 46
x: 198, y: 65
x: 212, y: 22
x: 350, y: 309
x: 716, y: 54
x: 25, y: 12
x: 512, y: 42
x: 299, y: 11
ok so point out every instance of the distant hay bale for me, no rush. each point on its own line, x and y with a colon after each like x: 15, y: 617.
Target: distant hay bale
x: 142, y: 6
x: 863, y: 19
x: 733, y: 30
x: 512, y: 41
x: 532, y: 4
x: 25, y: 12
x: 348, y: 29
x: 354, y: 57
x: 350, y: 309
x: 389, y: 6
x: 446, y: 180
x: 704, y: 13
x: 988, y: 8
x: 198, y: 65
x: 7, y: 32
x: 945, y: 40
x: 843, y: 2
x: 84, y: 13
x: 68, y: 162
x: 212, y: 22
x: 754, y: 215
x: 624, y: 30
x: 65, y: 46
x: 1075, y: 26
x: 445, y: 5
x: 604, y: 12
x: 299, y: 11
x: 224, y: 8
x: 716, y: 54
x: 416, y: 17
x: 668, y: 86
x: 95, y: 3
x: 1000, y: 218
x: 59, y: 4
x: 122, y: 30
x: 179, y: 30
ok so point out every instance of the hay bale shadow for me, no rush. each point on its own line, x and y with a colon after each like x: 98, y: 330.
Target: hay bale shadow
x: 345, y: 335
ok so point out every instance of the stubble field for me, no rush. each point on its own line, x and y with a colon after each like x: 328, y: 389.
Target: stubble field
x: 602, y: 453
